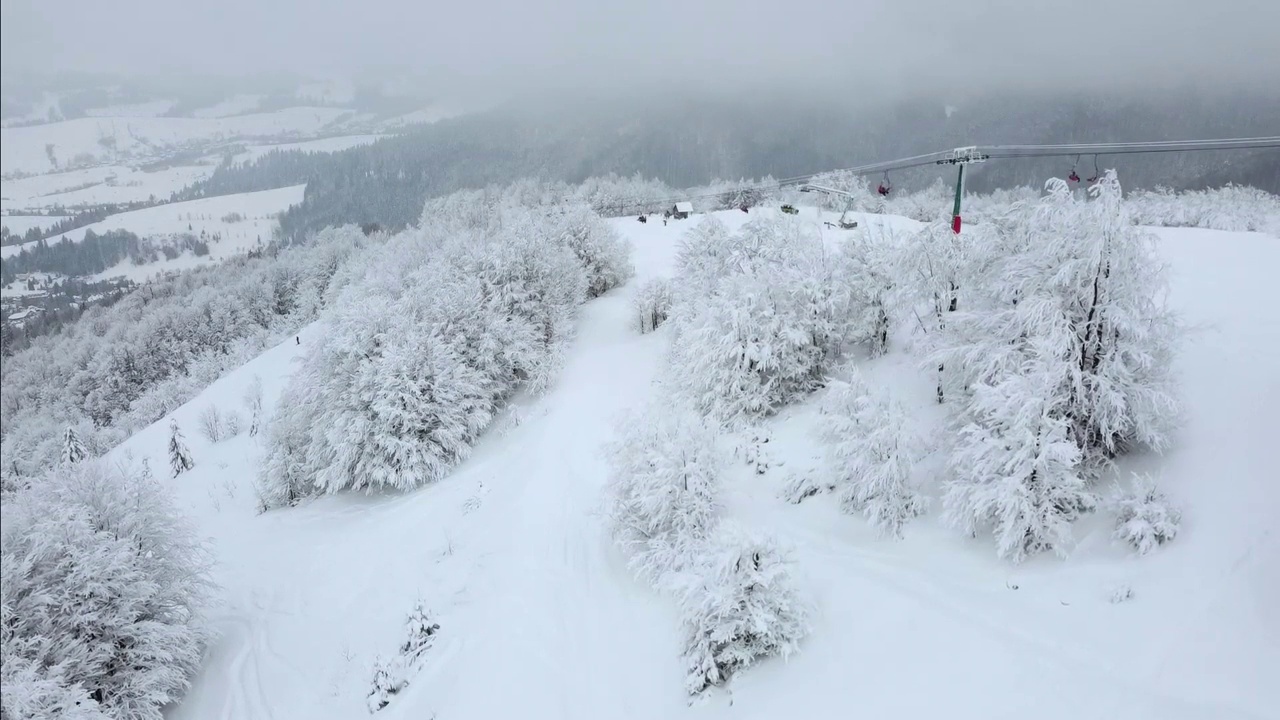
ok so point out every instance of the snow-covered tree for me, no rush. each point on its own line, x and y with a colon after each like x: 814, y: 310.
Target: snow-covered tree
x: 427, y: 345
x: 602, y: 252
x: 1145, y: 519
x: 1015, y: 469
x: 1080, y: 288
x: 392, y: 676
x: 179, y: 456
x: 231, y: 424
x: 1062, y: 361
x: 741, y: 606
x: 933, y: 267
x: 866, y: 268
x: 665, y: 468
x: 211, y: 424
x: 104, y: 587
x: 72, y: 449
x: 1233, y: 207
x: 871, y: 454
x: 759, y: 318
x: 652, y: 304
x: 253, y: 403
x: 33, y: 691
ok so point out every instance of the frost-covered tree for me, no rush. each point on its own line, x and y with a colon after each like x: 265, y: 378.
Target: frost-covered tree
x: 602, y: 252
x: 436, y: 335
x: 871, y: 454
x: 867, y: 269
x: 652, y: 304
x: 121, y: 368
x: 37, y: 692
x: 1144, y: 518
x: 72, y: 449
x: 211, y: 424
x: 231, y: 424
x: 1232, y: 207
x: 392, y: 676
x: 1080, y: 289
x: 1063, y: 362
x: 759, y: 319
x: 1015, y: 469
x: 104, y: 587
x: 664, y: 471
x: 253, y: 403
x: 741, y: 607
x: 179, y: 456
x: 933, y: 266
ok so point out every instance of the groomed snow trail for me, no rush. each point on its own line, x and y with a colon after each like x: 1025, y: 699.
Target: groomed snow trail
x: 559, y: 628
x: 541, y: 619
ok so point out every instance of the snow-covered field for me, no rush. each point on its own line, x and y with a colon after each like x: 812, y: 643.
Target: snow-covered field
x: 20, y: 224
x: 540, y: 618
x: 100, y: 185
x: 207, y: 215
x: 42, y: 148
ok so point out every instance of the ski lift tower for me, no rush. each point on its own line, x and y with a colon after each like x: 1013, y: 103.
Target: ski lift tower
x: 844, y: 222
x: 961, y: 157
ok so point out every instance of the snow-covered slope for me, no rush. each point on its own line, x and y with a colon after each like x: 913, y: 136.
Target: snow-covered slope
x: 20, y: 224
x: 257, y: 212
x: 540, y: 618
x: 323, y: 145
x: 84, y: 141
x: 100, y: 185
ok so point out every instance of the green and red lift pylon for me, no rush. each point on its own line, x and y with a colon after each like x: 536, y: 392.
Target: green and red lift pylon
x: 960, y: 157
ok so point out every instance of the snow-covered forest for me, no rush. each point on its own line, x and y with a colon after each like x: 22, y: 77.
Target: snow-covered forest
x: 123, y: 367
x: 1032, y: 361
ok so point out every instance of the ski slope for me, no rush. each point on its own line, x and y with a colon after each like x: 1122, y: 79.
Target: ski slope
x: 540, y: 619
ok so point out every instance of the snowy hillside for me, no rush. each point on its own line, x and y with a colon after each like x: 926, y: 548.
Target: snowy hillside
x: 323, y: 145
x: 87, y: 141
x: 106, y: 184
x: 256, y: 213
x: 20, y: 224
x: 540, y: 616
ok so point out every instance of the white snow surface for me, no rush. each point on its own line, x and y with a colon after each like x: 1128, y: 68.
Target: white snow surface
x: 258, y: 210
x: 20, y: 224
x: 100, y: 185
x: 96, y: 140
x: 539, y: 617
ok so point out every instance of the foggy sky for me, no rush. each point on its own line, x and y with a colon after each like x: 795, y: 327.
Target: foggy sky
x: 514, y: 46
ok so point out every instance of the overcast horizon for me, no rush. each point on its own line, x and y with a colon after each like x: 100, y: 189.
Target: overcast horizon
x: 501, y: 48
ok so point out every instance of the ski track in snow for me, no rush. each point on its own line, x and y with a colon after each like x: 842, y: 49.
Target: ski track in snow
x: 561, y: 607
x: 540, y: 617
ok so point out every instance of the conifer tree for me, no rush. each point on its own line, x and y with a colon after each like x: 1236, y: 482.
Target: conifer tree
x: 179, y: 456
x: 72, y: 449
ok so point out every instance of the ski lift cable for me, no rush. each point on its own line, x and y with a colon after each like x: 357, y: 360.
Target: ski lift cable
x: 992, y: 152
